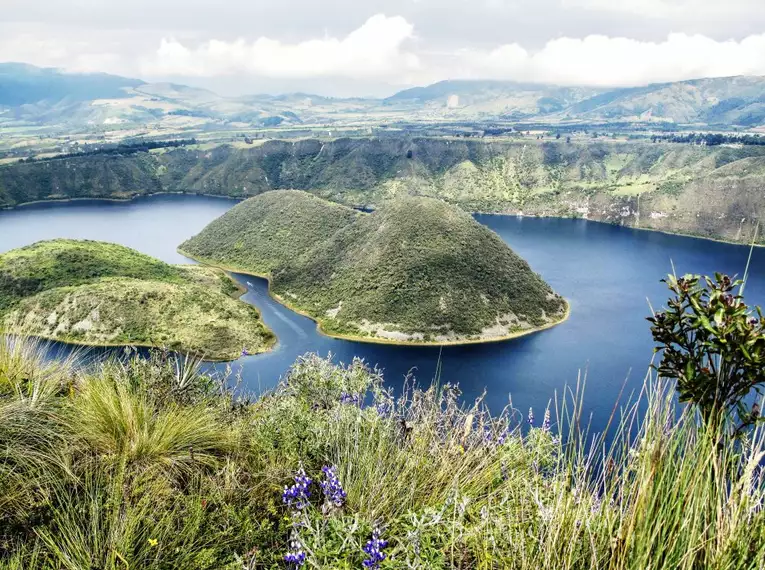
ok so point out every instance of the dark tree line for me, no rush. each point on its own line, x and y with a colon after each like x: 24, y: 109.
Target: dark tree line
x: 711, y: 139
x: 118, y: 149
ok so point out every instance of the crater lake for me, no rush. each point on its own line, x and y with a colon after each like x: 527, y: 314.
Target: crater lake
x: 609, y: 274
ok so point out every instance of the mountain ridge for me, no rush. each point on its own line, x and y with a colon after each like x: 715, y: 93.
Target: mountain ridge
x: 48, y: 96
x: 707, y: 191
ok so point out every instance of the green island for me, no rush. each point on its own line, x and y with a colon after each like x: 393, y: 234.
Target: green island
x: 406, y: 273
x: 94, y: 293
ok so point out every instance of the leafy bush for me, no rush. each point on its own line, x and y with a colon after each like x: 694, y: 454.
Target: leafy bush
x: 713, y: 344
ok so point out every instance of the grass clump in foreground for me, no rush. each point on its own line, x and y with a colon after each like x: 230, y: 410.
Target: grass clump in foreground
x: 146, y: 463
x: 106, y: 294
x: 416, y: 270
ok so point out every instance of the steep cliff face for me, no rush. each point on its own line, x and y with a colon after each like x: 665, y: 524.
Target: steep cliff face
x: 708, y: 191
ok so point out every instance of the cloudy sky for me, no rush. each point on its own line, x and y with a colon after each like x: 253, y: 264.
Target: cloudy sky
x: 374, y: 47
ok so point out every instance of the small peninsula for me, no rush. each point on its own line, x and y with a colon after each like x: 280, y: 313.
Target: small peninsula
x: 409, y: 272
x: 103, y: 294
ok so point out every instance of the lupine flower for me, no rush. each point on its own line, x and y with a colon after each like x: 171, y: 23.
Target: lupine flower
x: 346, y: 398
x: 295, y: 557
x: 298, y: 494
x: 531, y: 417
x: 333, y: 489
x: 244, y: 352
x: 383, y: 409
x: 488, y: 436
x: 503, y: 435
x: 546, y: 421
x: 374, y: 550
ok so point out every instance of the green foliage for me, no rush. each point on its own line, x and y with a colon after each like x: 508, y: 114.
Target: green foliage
x: 713, y: 344
x: 407, y: 271
x: 268, y: 231
x: 547, y: 177
x: 46, y: 265
x: 412, y: 264
x: 146, y: 464
x: 100, y: 293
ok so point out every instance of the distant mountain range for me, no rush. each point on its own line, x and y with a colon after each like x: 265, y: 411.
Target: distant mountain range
x: 35, y: 96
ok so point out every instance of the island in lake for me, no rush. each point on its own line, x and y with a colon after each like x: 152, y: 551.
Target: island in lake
x: 96, y: 293
x: 415, y: 271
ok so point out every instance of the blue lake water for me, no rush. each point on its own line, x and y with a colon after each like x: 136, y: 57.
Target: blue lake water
x: 607, y: 273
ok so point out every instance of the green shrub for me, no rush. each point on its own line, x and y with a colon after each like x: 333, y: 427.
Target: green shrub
x: 713, y: 344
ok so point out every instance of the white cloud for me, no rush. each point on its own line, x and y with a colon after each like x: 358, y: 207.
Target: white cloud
x: 384, y: 50
x: 604, y: 61
x: 376, y: 49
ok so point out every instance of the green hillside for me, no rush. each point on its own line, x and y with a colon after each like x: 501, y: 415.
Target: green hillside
x: 665, y: 186
x: 104, y: 294
x: 269, y: 232
x: 408, y: 272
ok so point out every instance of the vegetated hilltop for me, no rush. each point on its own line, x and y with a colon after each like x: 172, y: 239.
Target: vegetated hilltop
x: 105, y: 294
x: 414, y: 270
x: 710, y: 191
x: 268, y: 232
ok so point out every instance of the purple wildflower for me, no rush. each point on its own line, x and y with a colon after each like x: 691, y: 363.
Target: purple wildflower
x: 488, y: 436
x: 298, y: 494
x: 295, y: 557
x: 374, y: 550
x: 333, y: 489
x: 531, y: 417
x: 347, y: 398
x: 383, y: 409
x: 546, y: 421
x: 244, y: 352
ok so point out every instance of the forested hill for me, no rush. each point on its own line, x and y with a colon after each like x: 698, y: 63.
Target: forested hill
x: 712, y: 191
x: 408, y: 272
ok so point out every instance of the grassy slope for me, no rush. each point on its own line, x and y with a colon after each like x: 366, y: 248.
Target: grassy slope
x: 681, y: 188
x: 407, y: 272
x: 146, y: 464
x: 269, y: 231
x: 99, y: 293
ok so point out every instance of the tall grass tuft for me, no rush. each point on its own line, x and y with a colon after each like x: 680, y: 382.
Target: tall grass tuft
x: 147, y: 463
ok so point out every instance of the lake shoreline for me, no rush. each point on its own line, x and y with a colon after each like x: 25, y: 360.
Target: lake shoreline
x: 374, y: 340
x: 126, y: 200
x: 137, y: 197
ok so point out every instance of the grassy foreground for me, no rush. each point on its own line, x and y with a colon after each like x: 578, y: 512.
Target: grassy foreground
x: 416, y: 270
x: 95, y: 293
x: 147, y: 464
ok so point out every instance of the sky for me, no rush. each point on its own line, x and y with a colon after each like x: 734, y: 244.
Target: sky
x: 376, y: 47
